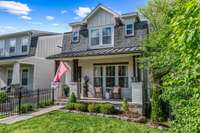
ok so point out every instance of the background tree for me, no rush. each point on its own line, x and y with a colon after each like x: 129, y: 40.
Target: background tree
x: 173, y: 54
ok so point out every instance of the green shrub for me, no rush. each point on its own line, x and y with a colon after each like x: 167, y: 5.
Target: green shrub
x: 70, y: 106
x: 44, y: 104
x: 107, y: 108
x: 26, y: 108
x: 3, y: 96
x: 72, y: 98
x: 80, y: 107
x: 92, y: 107
x: 125, y: 105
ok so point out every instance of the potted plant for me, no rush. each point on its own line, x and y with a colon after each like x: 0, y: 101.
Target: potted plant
x: 85, y: 86
x: 66, y: 90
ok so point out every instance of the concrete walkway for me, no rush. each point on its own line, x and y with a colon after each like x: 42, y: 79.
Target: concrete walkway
x: 22, y: 117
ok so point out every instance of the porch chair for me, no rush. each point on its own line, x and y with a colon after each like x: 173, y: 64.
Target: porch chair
x: 116, y: 92
x: 98, y: 92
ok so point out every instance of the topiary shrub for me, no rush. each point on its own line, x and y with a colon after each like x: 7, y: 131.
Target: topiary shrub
x: 3, y: 96
x: 107, y: 108
x: 26, y: 108
x: 70, y: 106
x: 125, y: 105
x: 72, y: 98
x: 81, y: 107
x: 92, y: 107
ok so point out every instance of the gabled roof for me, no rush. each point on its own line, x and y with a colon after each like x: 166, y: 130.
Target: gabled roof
x: 100, y: 6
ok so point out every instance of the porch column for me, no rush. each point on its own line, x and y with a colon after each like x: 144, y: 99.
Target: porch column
x: 16, y: 74
x: 136, y: 69
x: 75, y: 77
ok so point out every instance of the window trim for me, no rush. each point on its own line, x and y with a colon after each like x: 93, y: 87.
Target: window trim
x: 28, y: 75
x: 78, y: 37
x: 101, y: 45
x: 13, y: 39
x: 25, y: 45
x: 116, y: 74
x: 3, y: 47
x: 133, y: 29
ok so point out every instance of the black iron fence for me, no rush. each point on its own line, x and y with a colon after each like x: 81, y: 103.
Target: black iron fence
x: 23, y: 101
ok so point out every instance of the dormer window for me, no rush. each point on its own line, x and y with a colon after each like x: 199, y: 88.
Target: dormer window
x: 24, y: 44
x: 95, y: 40
x: 129, y: 29
x: 102, y: 37
x: 12, y: 46
x: 75, y: 36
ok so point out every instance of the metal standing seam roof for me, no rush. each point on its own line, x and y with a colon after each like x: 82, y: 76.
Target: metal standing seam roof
x: 97, y: 52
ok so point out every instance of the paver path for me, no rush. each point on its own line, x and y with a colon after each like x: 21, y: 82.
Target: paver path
x: 17, y: 118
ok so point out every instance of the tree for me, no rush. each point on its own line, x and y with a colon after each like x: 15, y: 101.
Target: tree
x: 173, y: 54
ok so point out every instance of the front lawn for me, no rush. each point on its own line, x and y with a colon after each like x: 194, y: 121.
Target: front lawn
x: 60, y: 122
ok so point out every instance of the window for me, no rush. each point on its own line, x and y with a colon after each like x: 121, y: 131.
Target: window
x: 107, y: 35
x: 9, y: 77
x: 95, y: 37
x: 129, y: 29
x: 75, y: 36
x: 101, y: 37
x: 24, y: 43
x: 98, y: 76
x: 110, y: 76
x: 12, y: 45
x: 2, y: 45
x: 123, y: 76
x: 25, y: 77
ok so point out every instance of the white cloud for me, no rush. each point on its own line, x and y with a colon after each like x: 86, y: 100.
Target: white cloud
x: 63, y: 11
x: 55, y: 24
x: 82, y: 12
x: 50, y: 18
x: 36, y: 23
x: 26, y: 18
x: 7, y: 29
x: 15, y: 8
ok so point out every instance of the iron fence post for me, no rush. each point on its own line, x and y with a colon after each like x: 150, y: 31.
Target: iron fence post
x: 20, y: 98
x: 38, y: 97
x: 53, y: 95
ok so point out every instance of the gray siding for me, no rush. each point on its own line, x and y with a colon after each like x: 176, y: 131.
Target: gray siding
x: 120, y: 40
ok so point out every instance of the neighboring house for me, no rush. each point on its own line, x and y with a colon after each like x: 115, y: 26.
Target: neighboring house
x: 23, y: 58
x: 105, y: 47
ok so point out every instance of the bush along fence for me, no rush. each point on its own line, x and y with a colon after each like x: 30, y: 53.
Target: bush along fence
x: 23, y: 101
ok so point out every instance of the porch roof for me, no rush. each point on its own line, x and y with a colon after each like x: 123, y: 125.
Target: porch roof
x: 97, y: 52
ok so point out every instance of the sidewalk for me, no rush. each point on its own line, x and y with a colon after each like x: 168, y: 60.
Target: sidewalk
x: 17, y: 118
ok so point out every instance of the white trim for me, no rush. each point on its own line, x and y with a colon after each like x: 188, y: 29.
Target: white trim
x: 96, y: 9
x: 133, y: 29
x: 101, y: 45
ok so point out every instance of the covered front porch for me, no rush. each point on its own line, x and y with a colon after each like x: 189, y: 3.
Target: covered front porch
x: 16, y: 73
x: 108, y: 75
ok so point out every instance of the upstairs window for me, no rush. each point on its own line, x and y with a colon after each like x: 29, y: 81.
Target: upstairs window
x: 129, y: 29
x: 102, y: 37
x: 75, y: 36
x: 107, y: 35
x: 12, y: 46
x: 2, y: 46
x: 24, y: 44
x: 95, y: 37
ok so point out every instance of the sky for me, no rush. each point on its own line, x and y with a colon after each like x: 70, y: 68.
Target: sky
x: 54, y: 15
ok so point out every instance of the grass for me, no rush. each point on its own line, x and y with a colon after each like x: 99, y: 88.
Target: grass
x: 60, y: 122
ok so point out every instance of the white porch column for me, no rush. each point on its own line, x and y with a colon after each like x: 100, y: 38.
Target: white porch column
x: 16, y: 74
x: 2, y: 76
x: 137, y: 93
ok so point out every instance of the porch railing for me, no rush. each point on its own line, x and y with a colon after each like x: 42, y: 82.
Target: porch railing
x: 15, y: 101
